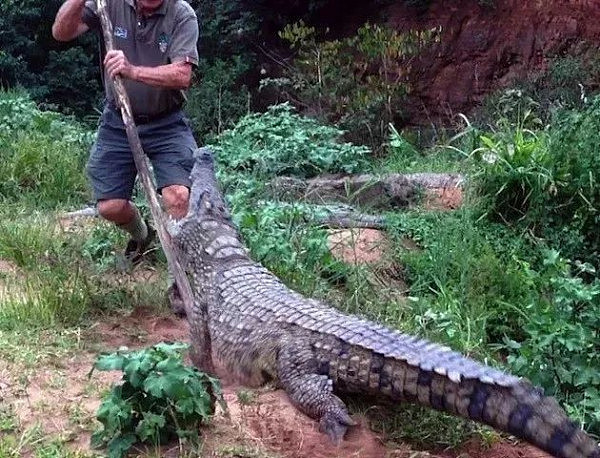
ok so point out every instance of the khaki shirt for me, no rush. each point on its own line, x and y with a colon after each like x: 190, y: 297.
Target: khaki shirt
x: 167, y: 36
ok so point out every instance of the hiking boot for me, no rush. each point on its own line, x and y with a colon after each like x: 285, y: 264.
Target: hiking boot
x: 175, y: 300
x: 135, y: 249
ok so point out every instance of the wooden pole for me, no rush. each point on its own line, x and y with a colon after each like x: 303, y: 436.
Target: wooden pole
x: 204, y: 359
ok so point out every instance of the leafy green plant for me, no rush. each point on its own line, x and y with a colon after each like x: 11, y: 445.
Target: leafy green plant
x: 400, y: 146
x: 100, y: 244
x: 513, y: 108
x: 159, y: 399
x: 282, y: 142
x: 559, y: 350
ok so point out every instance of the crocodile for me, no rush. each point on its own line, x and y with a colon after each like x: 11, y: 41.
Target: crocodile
x: 262, y: 331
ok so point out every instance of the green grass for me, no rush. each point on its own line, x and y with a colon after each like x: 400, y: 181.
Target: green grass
x: 59, y: 276
x: 402, y: 156
x: 32, y: 442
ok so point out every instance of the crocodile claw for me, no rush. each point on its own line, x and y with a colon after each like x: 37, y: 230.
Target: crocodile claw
x: 335, y: 425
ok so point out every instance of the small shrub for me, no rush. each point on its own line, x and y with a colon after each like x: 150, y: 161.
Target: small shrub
x: 160, y: 399
x: 357, y: 83
x: 575, y: 205
x: 282, y: 142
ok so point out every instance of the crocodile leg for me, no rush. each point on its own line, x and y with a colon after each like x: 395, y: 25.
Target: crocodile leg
x: 311, y: 392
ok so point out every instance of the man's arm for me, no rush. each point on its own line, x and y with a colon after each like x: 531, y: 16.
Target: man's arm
x: 177, y: 75
x: 68, y: 24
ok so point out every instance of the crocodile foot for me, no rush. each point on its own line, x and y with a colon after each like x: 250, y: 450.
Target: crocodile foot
x: 335, y: 424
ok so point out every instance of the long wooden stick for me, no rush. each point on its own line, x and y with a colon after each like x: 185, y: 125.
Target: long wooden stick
x: 204, y: 358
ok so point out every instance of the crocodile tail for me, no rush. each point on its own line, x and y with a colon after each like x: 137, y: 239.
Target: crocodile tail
x: 518, y: 408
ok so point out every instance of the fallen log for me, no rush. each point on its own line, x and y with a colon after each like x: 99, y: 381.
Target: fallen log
x: 393, y: 190
x: 328, y: 217
x: 349, y: 219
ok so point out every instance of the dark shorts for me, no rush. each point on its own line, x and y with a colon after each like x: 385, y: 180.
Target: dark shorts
x: 168, y: 143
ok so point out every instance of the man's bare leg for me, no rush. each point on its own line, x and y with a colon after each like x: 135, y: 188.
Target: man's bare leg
x: 125, y: 215
x: 176, y: 200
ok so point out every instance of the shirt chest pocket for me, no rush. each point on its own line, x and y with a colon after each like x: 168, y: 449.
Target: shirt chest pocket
x: 152, y: 47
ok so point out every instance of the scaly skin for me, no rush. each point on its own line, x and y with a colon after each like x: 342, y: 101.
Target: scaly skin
x: 261, y: 330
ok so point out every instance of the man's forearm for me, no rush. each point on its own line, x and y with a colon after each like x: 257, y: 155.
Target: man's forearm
x: 172, y: 76
x: 67, y: 24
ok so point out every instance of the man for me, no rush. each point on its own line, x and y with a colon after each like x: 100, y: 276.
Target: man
x: 155, y: 50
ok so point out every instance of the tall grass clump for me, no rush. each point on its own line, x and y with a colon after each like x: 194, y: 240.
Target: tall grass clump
x: 465, y: 278
x: 43, y: 155
x: 50, y: 299
x: 513, y: 177
x: 48, y: 286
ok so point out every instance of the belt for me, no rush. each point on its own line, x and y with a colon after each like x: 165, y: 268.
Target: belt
x: 146, y: 119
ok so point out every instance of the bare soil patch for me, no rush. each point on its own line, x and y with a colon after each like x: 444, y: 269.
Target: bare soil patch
x: 142, y: 327
x: 359, y: 246
x: 500, y: 450
x: 443, y: 198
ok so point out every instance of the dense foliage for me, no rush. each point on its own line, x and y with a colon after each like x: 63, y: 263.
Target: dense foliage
x: 234, y: 37
x: 541, y: 181
x: 282, y: 142
x: 358, y: 83
x: 42, y: 153
x: 63, y: 76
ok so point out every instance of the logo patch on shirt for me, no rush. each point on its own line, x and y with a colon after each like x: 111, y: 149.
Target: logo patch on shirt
x: 120, y: 32
x: 163, y: 42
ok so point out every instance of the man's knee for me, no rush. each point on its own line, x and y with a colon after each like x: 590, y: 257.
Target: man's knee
x: 118, y: 211
x: 176, y: 199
